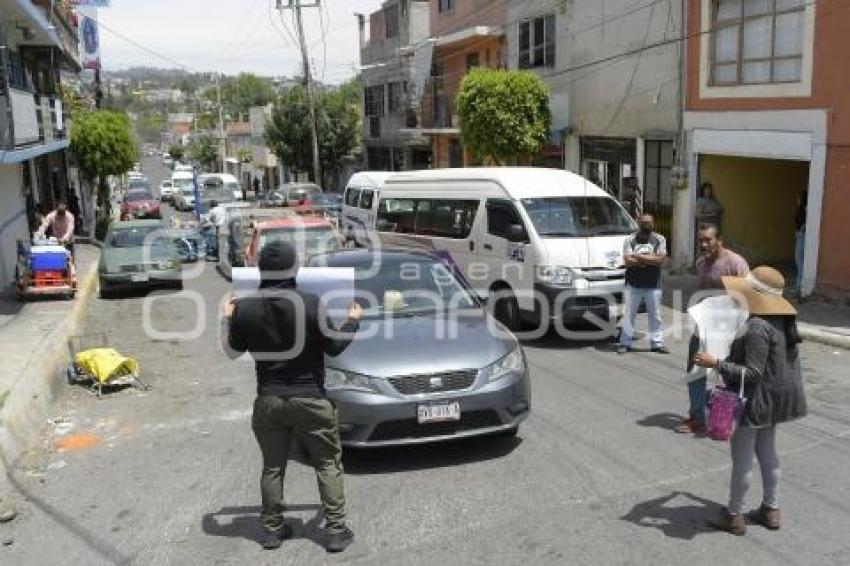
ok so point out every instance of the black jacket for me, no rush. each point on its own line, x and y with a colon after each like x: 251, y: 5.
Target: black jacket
x: 288, y: 346
x: 774, y: 383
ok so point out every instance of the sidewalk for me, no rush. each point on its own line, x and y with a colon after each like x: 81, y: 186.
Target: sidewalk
x: 33, y: 344
x: 821, y: 322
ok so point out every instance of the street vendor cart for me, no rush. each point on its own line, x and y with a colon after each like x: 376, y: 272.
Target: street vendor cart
x: 44, y: 268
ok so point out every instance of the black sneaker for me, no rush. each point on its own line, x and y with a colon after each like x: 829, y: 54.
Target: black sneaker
x: 660, y: 350
x: 274, y: 539
x: 337, y: 541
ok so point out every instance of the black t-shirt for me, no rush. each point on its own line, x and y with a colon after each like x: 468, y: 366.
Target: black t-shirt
x: 644, y: 276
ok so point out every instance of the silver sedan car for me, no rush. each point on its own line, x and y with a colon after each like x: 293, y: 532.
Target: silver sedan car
x: 429, y: 362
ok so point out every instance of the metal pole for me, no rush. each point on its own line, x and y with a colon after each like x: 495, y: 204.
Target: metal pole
x: 222, y: 141
x: 308, y: 84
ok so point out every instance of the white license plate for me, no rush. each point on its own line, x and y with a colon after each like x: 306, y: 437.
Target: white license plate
x: 438, y: 412
x: 139, y: 277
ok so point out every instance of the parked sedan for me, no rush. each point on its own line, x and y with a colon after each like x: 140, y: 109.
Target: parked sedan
x: 184, y: 198
x: 329, y: 203
x: 140, y: 203
x: 309, y: 235
x: 473, y: 384
x: 166, y: 191
x: 138, y: 254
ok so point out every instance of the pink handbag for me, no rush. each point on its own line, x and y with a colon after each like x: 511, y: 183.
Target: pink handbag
x: 725, y: 408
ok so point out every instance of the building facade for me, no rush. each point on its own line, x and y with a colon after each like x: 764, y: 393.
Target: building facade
x: 37, y: 42
x: 768, y: 125
x: 615, y: 92
x: 386, y: 57
x: 464, y: 34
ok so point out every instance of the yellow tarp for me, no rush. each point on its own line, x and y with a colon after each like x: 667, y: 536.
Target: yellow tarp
x: 106, y: 364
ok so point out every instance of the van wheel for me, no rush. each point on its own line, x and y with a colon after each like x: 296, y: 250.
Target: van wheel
x: 505, y: 308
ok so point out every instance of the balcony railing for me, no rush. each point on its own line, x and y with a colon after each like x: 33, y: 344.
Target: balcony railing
x: 28, y: 119
x: 61, y: 14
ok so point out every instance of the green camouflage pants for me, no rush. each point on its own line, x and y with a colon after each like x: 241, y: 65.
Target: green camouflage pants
x: 276, y: 422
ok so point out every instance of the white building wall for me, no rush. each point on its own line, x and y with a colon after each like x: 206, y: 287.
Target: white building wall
x: 13, y: 221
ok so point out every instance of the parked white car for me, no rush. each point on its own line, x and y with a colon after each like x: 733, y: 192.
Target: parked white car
x: 166, y: 191
x: 183, y: 190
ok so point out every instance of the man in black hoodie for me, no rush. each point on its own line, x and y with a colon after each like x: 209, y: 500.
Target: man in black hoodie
x: 288, y: 335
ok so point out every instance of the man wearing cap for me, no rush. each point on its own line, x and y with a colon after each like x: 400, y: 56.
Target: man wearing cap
x: 288, y: 335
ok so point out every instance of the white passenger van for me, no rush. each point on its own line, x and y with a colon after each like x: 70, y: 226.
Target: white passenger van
x: 541, y: 244
x: 359, y: 203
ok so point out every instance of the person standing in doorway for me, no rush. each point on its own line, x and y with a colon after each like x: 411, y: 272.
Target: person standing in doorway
x: 714, y: 263
x: 765, y: 361
x: 708, y: 208
x: 287, y: 334
x: 800, y: 235
x: 257, y: 187
x: 644, y: 254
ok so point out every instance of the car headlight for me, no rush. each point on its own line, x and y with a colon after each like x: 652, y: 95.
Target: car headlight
x: 513, y: 362
x: 556, y: 275
x: 338, y: 380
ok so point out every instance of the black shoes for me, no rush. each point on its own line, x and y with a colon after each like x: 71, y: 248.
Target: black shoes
x: 660, y: 350
x: 338, y: 541
x: 274, y: 539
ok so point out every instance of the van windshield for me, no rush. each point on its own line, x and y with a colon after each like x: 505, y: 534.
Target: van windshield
x: 577, y: 217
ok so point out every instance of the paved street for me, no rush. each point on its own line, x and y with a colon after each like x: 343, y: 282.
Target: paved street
x: 595, y: 476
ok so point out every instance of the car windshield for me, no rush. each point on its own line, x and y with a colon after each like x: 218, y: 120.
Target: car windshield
x: 135, y: 185
x: 182, y: 184
x: 132, y: 237
x: 231, y: 186
x: 137, y: 196
x: 403, y: 285
x: 307, y: 241
x: 326, y: 199
x: 577, y: 216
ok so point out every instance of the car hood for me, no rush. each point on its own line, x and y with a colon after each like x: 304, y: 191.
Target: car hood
x: 604, y: 252
x: 410, y: 345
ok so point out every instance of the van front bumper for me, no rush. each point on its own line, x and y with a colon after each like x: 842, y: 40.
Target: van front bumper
x: 603, y: 299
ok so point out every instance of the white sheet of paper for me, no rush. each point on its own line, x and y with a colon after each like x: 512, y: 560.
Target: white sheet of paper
x: 718, y: 319
x: 334, y: 286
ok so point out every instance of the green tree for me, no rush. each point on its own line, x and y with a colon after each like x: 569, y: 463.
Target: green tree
x: 150, y: 125
x: 504, y: 115
x: 238, y: 94
x: 337, y: 117
x: 204, y: 151
x: 103, y: 146
x: 245, y: 155
x: 176, y: 152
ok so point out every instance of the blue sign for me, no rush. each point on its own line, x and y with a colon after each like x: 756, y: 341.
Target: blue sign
x: 91, y: 42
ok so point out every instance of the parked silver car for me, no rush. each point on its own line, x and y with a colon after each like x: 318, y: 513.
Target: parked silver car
x: 405, y: 381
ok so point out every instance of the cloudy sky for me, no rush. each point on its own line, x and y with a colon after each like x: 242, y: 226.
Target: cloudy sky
x: 230, y: 36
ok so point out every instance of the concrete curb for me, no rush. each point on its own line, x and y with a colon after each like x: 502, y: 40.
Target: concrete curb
x: 29, y: 403
x: 813, y: 333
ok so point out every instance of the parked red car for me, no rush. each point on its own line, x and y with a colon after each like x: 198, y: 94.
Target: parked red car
x: 140, y: 204
x: 309, y: 235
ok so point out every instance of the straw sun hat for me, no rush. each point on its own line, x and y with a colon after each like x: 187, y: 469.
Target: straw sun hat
x: 762, y: 291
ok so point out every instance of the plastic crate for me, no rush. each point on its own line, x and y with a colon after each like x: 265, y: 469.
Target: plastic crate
x: 48, y: 261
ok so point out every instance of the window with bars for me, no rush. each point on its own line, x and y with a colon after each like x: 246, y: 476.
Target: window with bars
x: 395, y: 96
x: 757, y: 41
x: 445, y: 5
x: 537, y: 42
x: 374, y: 100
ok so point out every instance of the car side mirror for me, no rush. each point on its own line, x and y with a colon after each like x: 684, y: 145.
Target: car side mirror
x: 516, y: 233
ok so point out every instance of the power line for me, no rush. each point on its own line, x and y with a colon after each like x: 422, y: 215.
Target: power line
x: 143, y: 47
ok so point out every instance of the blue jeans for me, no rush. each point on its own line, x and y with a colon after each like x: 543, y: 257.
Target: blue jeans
x: 698, y: 398
x: 631, y: 303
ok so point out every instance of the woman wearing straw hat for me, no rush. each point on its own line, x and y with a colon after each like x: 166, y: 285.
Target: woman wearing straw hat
x: 766, y: 356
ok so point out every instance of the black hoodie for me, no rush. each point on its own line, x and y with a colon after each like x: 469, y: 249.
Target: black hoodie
x: 280, y: 327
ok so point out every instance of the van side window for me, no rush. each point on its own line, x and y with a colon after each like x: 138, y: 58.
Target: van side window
x: 352, y: 196
x: 441, y: 218
x: 448, y: 218
x: 500, y: 215
x: 366, y: 199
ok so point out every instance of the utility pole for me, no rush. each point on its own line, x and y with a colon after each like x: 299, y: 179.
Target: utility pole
x: 308, y: 81
x: 222, y: 143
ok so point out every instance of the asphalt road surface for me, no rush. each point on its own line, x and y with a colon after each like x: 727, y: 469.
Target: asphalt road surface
x: 595, y: 476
